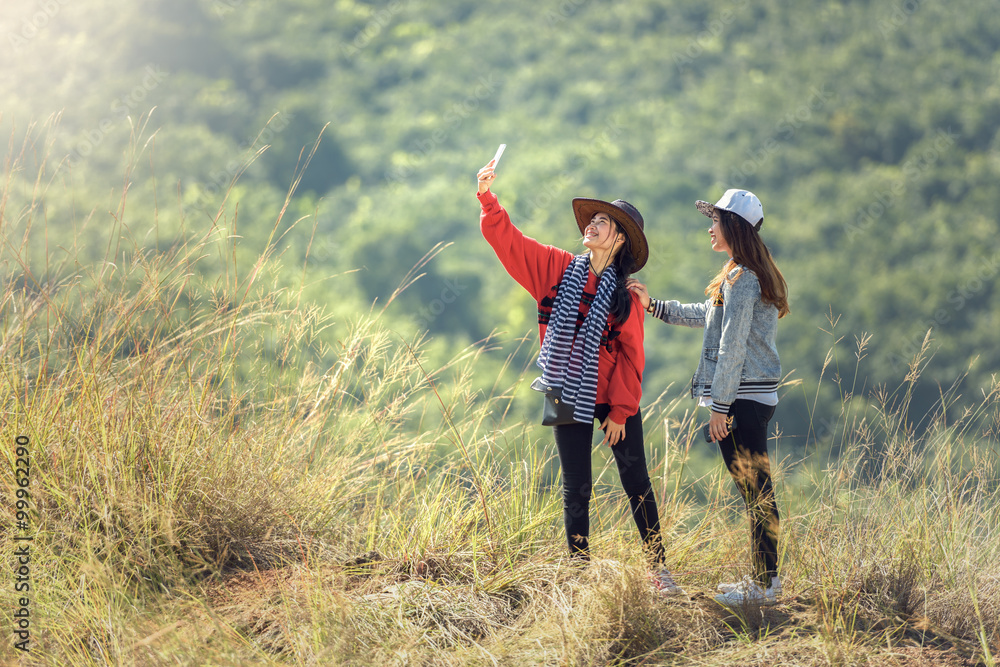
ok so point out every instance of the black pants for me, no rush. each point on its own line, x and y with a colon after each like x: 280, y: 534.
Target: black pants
x: 745, y: 453
x: 574, y: 442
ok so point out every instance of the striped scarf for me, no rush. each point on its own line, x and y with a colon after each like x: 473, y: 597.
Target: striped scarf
x: 571, y: 362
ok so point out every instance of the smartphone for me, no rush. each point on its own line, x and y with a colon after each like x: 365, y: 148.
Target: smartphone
x: 708, y: 434
x: 496, y: 158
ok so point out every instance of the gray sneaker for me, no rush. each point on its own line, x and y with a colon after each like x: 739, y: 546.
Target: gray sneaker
x: 775, y: 587
x: 665, y: 583
x: 748, y: 591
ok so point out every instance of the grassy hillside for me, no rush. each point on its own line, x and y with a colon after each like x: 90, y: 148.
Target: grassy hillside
x: 268, y: 384
x: 868, y: 129
x: 192, y: 504
x: 205, y: 481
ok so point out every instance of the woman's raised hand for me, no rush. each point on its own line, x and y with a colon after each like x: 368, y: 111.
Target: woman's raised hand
x: 638, y: 288
x: 486, y: 177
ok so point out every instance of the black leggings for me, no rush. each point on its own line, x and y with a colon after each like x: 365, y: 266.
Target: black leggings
x: 745, y: 453
x: 574, y: 442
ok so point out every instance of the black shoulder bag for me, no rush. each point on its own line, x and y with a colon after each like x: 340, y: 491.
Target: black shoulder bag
x: 555, y: 411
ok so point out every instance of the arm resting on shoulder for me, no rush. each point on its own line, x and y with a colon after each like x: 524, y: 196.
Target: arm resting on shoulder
x: 683, y: 314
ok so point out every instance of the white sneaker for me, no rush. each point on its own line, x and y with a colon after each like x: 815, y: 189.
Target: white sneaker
x: 726, y: 588
x: 749, y: 592
x: 665, y: 583
x: 773, y: 591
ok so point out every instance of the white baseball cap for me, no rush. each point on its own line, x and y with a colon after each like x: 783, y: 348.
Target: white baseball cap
x: 741, y: 202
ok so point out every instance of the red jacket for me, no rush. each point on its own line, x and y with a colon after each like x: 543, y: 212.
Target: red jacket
x: 538, y: 268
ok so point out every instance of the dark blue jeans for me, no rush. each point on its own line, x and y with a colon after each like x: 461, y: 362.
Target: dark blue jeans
x: 745, y: 452
x: 574, y: 441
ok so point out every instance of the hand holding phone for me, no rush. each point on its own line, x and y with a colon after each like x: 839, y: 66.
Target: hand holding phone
x: 731, y: 423
x: 489, y: 172
x: 496, y: 158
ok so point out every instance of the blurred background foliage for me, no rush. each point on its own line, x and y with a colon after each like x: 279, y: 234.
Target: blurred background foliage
x: 869, y: 130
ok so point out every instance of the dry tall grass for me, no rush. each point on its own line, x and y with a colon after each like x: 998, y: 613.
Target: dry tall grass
x: 218, y: 479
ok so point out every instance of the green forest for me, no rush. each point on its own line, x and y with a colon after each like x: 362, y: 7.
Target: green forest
x: 868, y: 129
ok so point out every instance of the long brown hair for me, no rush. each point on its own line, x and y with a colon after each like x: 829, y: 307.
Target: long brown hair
x: 749, y: 250
x: 624, y: 262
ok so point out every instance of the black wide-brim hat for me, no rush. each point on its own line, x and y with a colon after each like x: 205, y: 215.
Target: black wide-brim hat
x: 628, y: 218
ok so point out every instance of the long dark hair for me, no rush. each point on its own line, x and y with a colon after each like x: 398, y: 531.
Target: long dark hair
x: 624, y: 263
x: 749, y: 250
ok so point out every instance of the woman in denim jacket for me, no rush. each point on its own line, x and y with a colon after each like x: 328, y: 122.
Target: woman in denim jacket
x: 738, y: 372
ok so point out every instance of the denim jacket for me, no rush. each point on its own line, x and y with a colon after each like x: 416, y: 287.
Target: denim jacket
x: 739, y: 355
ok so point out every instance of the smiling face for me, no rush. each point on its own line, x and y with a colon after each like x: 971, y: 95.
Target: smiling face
x: 718, y: 238
x: 602, y: 234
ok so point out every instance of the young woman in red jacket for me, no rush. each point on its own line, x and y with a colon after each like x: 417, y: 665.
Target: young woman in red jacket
x: 591, y: 328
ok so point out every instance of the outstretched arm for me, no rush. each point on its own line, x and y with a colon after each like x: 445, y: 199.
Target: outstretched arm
x: 671, y: 312
x: 535, y: 266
